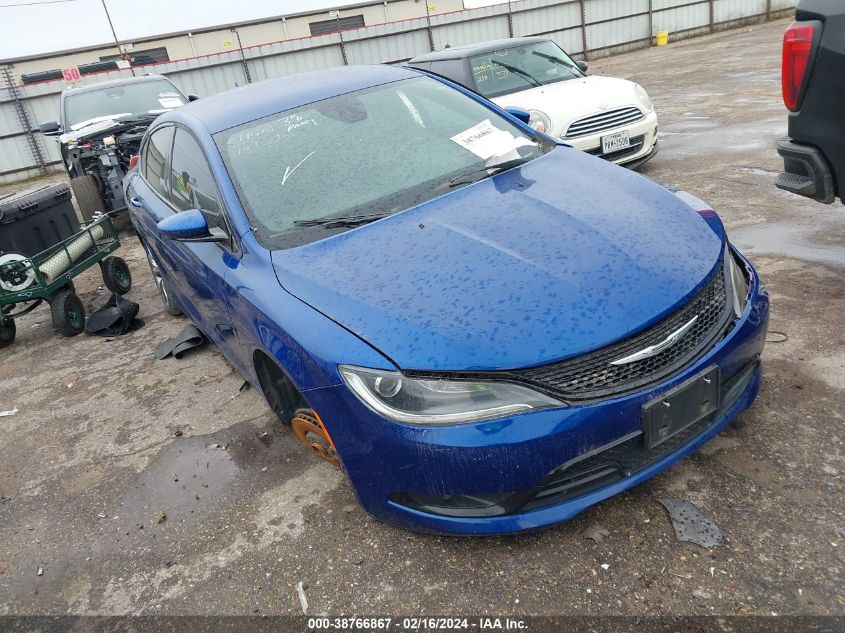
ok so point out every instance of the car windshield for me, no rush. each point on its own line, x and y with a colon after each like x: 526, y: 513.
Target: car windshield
x: 143, y: 97
x: 353, y: 158
x: 520, y: 68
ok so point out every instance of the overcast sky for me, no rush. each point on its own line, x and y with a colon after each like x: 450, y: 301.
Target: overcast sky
x: 42, y: 26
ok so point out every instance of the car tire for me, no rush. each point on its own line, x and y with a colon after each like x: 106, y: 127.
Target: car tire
x: 116, y: 275
x: 68, y: 313
x: 88, y: 196
x: 7, y: 332
x: 171, y: 307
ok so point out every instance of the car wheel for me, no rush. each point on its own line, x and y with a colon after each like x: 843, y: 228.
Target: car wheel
x: 116, y: 275
x: 88, y: 196
x: 167, y: 298
x: 68, y: 313
x: 7, y: 332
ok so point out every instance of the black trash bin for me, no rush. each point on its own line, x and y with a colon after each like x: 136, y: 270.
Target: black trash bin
x: 33, y: 220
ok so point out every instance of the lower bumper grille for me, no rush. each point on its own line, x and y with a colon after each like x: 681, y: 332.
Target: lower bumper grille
x: 589, y: 472
x: 629, y: 455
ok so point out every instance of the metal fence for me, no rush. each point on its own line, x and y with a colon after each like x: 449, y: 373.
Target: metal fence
x: 585, y: 28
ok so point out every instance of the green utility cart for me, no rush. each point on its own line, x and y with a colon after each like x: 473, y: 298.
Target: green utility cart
x: 25, y: 282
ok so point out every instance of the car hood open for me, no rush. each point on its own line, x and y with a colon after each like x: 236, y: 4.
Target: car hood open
x: 558, y: 257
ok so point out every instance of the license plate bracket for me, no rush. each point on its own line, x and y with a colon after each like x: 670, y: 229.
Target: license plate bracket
x: 681, y: 406
x: 614, y: 142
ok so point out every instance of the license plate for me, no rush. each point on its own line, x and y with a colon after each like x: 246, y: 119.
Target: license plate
x: 614, y: 142
x: 680, y: 407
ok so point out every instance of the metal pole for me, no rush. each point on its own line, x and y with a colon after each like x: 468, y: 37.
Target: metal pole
x: 650, y: 22
x: 768, y: 9
x: 340, y: 34
x: 510, y: 19
x: 584, y: 28
x: 120, y: 52
x: 712, y: 15
x: 428, y: 26
x: 243, y: 57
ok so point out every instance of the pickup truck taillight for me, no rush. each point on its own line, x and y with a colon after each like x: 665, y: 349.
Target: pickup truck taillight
x: 797, y: 46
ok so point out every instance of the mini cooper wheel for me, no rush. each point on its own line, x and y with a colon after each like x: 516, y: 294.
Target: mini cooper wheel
x: 167, y: 298
x: 116, y: 275
x: 68, y: 313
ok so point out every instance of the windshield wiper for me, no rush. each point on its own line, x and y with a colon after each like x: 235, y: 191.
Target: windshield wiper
x: 490, y: 170
x: 343, y: 221
x: 554, y: 59
x: 518, y: 71
x: 135, y: 118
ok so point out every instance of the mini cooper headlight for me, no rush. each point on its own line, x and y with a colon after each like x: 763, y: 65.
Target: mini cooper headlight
x: 427, y: 401
x: 738, y: 280
x: 642, y: 95
x: 539, y: 121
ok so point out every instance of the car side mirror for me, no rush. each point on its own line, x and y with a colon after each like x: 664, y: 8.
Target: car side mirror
x: 50, y: 128
x: 582, y: 65
x: 190, y: 226
x: 193, y: 98
x: 519, y: 113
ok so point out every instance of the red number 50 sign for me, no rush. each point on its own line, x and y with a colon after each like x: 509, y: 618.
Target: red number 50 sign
x: 71, y: 74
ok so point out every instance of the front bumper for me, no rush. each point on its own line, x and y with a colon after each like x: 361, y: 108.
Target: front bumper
x: 509, y: 456
x: 643, y: 135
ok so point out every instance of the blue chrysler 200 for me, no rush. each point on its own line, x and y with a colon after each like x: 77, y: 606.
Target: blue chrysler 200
x: 487, y: 330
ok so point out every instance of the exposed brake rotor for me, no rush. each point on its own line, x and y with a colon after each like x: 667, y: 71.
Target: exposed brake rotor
x: 309, y: 429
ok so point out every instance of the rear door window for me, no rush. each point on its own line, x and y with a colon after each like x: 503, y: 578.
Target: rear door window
x: 451, y: 69
x: 156, y: 155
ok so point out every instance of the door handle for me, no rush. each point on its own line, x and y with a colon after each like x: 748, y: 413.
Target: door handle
x: 136, y: 202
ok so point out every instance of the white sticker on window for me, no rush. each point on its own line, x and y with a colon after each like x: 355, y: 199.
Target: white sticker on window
x: 485, y: 141
x: 170, y: 102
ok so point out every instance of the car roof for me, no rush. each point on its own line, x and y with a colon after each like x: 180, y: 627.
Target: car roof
x: 231, y: 108
x: 470, y: 50
x: 113, y: 83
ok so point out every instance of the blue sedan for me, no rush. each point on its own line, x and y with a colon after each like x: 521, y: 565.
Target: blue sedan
x: 488, y: 331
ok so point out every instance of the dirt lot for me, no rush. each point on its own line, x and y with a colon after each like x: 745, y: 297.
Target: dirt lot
x: 92, y: 457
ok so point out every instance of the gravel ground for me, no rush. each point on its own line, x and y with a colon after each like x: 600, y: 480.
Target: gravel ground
x: 115, y: 483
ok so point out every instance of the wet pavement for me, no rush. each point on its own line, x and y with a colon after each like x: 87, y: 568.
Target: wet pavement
x: 157, y: 487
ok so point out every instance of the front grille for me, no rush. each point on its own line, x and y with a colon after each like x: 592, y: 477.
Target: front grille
x: 592, y: 375
x: 629, y: 455
x: 604, y: 121
x: 636, y: 146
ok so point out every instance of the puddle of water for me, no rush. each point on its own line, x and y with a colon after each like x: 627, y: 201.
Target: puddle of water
x: 790, y: 240
x: 196, y: 477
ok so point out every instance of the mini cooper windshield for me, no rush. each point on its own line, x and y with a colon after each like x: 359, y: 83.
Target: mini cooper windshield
x: 355, y: 158
x: 519, y: 68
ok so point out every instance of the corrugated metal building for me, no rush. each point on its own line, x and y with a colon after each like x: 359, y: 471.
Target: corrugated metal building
x: 220, y: 39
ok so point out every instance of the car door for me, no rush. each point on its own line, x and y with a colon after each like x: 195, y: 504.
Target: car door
x: 196, y: 270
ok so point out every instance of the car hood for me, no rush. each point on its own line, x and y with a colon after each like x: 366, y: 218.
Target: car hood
x: 567, y: 101
x: 563, y: 255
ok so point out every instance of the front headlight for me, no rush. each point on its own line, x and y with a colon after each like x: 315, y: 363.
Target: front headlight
x: 540, y: 121
x: 642, y: 95
x: 434, y: 402
x: 739, y: 282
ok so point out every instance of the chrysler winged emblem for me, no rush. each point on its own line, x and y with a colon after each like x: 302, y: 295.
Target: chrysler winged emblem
x: 652, y: 350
